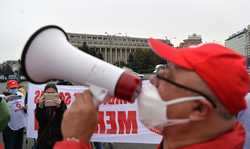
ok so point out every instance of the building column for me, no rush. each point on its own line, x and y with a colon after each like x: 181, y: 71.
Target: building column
x: 116, y: 58
x: 108, y: 54
x: 105, y: 54
x: 126, y: 55
x: 111, y: 54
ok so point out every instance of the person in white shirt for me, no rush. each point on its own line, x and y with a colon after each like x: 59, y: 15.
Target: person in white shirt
x: 13, y: 133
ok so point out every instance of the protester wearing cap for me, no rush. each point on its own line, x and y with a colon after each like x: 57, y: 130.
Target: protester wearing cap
x: 13, y: 133
x: 220, y: 74
x: 12, y: 84
x: 193, y: 100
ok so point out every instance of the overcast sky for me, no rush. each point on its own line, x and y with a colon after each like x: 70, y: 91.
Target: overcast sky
x: 214, y: 20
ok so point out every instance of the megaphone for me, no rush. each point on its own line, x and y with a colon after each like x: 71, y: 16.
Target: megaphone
x: 48, y: 55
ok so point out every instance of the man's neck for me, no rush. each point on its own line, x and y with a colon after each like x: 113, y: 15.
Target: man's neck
x: 193, y: 135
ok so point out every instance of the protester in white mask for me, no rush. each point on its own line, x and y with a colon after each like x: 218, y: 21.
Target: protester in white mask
x: 193, y: 101
x: 14, y: 132
x: 149, y: 100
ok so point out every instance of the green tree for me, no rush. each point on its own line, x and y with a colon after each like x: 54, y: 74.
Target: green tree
x: 131, y: 62
x: 85, y: 48
x: 120, y: 64
x: 144, y: 61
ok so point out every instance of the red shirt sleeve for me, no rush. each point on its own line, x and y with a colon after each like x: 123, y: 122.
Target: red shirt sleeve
x: 70, y: 144
x: 1, y: 146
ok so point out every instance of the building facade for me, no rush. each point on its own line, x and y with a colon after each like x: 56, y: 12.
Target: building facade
x: 240, y: 42
x: 191, y: 41
x: 113, y: 48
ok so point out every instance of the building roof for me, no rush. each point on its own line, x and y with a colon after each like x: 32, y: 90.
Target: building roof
x: 237, y: 34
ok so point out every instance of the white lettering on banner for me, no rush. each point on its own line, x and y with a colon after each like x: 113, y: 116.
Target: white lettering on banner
x: 118, y: 119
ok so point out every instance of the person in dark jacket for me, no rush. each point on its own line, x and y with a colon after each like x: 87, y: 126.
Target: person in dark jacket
x: 49, y: 113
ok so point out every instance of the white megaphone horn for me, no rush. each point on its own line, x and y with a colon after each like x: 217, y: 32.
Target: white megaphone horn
x: 48, y: 55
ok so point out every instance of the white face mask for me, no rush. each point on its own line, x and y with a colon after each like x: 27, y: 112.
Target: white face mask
x: 153, y: 110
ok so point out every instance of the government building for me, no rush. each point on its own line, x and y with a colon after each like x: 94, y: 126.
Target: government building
x: 112, y: 47
x: 240, y: 41
x: 192, y: 40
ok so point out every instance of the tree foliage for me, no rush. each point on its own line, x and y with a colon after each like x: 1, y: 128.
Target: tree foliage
x: 144, y: 61
x: 6, y: 69
x: 90, y: 51
x: 141, y: 61
x: 120, y: 64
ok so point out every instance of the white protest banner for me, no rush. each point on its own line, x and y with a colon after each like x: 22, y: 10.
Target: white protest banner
x: 118, y: 119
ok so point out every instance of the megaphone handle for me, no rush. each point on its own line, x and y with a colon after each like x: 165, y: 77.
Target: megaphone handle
x: 99, y: 94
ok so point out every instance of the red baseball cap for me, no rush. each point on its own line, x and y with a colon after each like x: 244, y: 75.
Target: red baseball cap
x: 12, y: 84
x: 223, y: 70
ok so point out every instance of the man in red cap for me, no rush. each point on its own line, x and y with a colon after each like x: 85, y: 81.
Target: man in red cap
x: 192, y: 101
x: 13, y: 133
x: 12, y: 84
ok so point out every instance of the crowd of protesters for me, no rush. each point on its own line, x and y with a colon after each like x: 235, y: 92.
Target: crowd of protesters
x: 202, y: 95
x: 48, y: 113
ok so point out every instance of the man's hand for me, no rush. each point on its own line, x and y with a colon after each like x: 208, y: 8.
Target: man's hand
x: 80, y: 120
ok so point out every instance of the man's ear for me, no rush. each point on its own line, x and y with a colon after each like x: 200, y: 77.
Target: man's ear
x: 201, y: 110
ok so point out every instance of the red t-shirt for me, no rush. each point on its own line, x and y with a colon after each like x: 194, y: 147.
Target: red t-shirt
x: 66, y: 144
x: 233, y: 139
